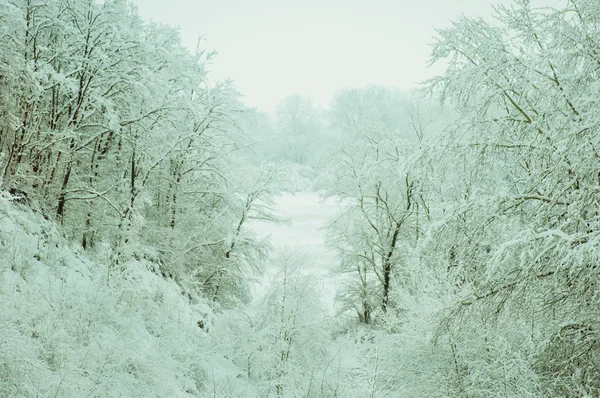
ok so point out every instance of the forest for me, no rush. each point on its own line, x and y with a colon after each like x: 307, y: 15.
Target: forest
x: 462, y: 229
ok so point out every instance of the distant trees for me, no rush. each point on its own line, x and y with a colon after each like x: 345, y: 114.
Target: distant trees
x: 298, y: 124
x: 370, y: 108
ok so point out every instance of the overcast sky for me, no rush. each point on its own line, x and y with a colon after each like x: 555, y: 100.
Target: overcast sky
x: 273, y: 48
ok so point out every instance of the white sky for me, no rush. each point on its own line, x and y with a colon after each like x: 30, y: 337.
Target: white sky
x: 274, y: 48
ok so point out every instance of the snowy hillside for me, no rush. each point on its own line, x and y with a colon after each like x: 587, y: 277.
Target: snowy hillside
x: 67, y: 331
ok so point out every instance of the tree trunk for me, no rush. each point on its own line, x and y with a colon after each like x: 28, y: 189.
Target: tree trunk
x: 177, y: 179
x: 60, y: 209
x: 387, y: 267
x: 88, y: 218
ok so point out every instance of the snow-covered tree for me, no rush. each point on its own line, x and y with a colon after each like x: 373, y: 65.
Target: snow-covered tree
x: 298, y: 125
x: 520, y: 236
x: 109, y: 126
x: 376, y: 174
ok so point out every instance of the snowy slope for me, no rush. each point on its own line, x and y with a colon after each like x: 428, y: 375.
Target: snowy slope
x: 66, y: 332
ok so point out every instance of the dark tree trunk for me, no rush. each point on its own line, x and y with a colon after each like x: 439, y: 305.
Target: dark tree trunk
x: 387, y: 267
x: 60, y: 209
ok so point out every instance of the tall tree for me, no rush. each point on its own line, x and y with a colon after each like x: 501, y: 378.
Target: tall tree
x: 375, y: 175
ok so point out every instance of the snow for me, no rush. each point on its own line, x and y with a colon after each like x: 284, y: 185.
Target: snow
x: 307, y: 214
x: 67, y: 333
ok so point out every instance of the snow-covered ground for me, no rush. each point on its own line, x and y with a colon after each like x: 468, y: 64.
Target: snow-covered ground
x: 307, y: 215
x: 67, y: 331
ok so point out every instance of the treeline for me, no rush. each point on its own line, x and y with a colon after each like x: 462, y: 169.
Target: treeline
x: 476, y: 251
x: 108, y: 126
